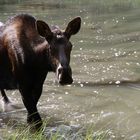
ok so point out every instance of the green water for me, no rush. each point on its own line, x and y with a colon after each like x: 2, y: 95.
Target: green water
x: 105, y: 62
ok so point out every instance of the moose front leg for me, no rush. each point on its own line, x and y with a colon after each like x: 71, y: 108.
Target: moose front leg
x: 4, y: 96
x: 36, y: 92
x: 7, y: 105
x: 33, y: 116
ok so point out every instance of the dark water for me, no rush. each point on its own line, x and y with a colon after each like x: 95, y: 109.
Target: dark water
x: 105, y: 62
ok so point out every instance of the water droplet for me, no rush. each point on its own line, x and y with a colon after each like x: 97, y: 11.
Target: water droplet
x: 81, y: 41
x: 135, y: 52
x: 102, y: 112
x: 95, y: 91
x: 59, y: 98
x: 117, y: 82
x: 116, y: 54
x: 127, y: 63
x: 66, y: 93
x: 123, y: 18
x: 81, y: 85
x: 79, y: 82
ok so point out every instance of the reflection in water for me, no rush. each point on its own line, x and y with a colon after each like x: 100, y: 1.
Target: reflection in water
x: 105, y: 62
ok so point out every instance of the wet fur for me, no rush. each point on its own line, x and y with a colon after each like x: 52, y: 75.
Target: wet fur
x: 24, y: 61
x: 25, y: 58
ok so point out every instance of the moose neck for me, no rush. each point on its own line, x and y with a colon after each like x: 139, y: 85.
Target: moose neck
x: 49, y: 64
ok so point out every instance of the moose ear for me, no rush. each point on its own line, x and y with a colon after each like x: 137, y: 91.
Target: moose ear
x: 73, y: 27
x: 43, y: 29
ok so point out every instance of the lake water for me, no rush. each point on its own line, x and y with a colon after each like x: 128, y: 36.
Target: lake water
x: 105, y: 62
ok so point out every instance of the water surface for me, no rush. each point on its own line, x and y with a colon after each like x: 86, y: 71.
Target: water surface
x: 105, y: 62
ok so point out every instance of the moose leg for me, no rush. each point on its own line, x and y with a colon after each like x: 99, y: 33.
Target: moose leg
x: 4, y: 96
x: 33, y: 116
x: 37, y: 90
x: 36, y: 93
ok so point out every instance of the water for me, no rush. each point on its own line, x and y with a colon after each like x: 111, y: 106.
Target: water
x: 105, y: 62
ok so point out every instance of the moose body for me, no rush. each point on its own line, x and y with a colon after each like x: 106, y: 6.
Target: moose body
x: 29, y: 49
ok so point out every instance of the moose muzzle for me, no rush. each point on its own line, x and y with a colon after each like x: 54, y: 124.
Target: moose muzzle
x: 64, y: 75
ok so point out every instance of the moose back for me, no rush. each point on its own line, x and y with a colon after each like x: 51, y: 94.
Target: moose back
x: 29, y: 49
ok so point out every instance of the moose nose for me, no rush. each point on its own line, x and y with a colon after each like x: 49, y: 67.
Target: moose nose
x: 64, y: 75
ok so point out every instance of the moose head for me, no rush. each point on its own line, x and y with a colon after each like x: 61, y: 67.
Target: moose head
x: 60, y: 47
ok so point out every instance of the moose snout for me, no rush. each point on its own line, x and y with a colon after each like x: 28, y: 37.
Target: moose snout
x: 64, y: 75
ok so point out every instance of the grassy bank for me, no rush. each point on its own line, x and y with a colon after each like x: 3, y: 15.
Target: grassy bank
x: 62, y: 132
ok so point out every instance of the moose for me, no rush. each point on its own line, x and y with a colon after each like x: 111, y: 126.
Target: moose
x: 29, y: 49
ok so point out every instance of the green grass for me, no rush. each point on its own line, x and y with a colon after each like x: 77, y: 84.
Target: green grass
x: 24, y: 133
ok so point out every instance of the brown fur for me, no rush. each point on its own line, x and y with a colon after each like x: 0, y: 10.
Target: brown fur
x: 28, y: 51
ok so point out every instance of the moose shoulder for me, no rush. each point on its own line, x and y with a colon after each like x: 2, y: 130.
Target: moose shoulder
x: 29, y: 49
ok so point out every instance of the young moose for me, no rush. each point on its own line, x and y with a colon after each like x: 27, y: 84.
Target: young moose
x: 29, y: 49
